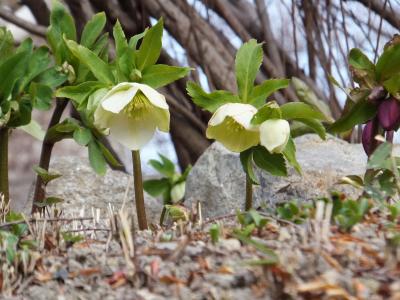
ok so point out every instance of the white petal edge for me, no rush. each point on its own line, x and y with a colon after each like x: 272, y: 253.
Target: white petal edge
x: 240, y: 112
x: 274, y: 135
x: 116, y: 99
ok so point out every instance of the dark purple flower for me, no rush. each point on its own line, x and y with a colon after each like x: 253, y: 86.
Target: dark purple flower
x: 368, y: 136
x: 389, y: 114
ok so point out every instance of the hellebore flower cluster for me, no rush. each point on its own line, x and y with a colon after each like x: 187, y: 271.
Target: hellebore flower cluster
x: 231, y: 125
x: 386, y: 121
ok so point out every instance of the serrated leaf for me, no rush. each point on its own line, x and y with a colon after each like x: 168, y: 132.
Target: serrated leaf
x: 246, y: 158
x: 93, y: 29
x: 290, y: 154
x: 160, y: 75
x: 150, y: 49
x: 273, y: 163
x: 261, y: 92
x: 210, y: 101
x: 247, y: 63
x: 97, y: 66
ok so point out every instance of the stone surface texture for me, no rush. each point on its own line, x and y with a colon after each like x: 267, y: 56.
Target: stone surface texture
x: 217, y: 180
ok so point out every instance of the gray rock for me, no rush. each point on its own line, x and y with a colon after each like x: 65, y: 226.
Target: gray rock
x: 217, y: 180
x: 81, y: 188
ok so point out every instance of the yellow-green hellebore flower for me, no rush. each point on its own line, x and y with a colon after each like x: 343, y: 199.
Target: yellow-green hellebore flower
x: 274, y: 134
x: 132, y: 112
x: 231, y: 126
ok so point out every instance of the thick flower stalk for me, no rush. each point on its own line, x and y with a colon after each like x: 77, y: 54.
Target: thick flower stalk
x: 4, y: 163
x: 231, y: 125
x: 131, y: 112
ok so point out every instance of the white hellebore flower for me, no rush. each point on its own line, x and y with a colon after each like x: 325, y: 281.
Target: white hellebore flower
x: 274, y: 135
x: 132, y: 112
x: 230, y: 125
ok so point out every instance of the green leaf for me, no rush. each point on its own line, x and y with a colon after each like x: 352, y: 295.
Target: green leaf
x: 96, y: 158
x: 38, y: 63
x: 150, y: 49
x: 45, y: 175
x: 97, y: 66
x: 270, y: 110
x: 261, y: 92
x: 388, y: 63
x: 109, y: 156
x: 359, y: 113
x: 34, y: 129
x: 248, y: 60
x: 392, y: 85
x: 156, y: 187
x: 362, y: 69
x: 270, y: 254
x: 246, y: 158
x: 6, y: 44
x: 314, y: 125
x: 133, y: 41
x: 159, y: 75
x: 307, y: 95
x: 273, y: 163
x: 380, y: 159
x: 10, y: 71
x: 49, y: 201
x: 210, y: 101
x: 300, y: 110
x: 93, y: 29
x: 80, y: 92
x: 166, y: 167
x: 290, y: 154
x: 42, y: 96
x: 52, y: 77
x: 353, y: 180
x: 82, y: 136
x: 120, y: 40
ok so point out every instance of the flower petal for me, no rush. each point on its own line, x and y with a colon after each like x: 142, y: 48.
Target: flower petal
x: 240, y: 112
x: 154, y: 97
x: 274, y: 135
x: 161, y: 118
x: 130, y: 132
x: 233, y: 135
x: 118, y: 97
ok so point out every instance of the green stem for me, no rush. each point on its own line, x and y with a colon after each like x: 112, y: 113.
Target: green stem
x: 4, y: 163
x: 249, y: 193
x: 162, y: 217
x: 139, y: 198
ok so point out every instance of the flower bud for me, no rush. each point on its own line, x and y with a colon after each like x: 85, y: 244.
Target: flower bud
x: 389, y: 114
x: 368, y: 136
